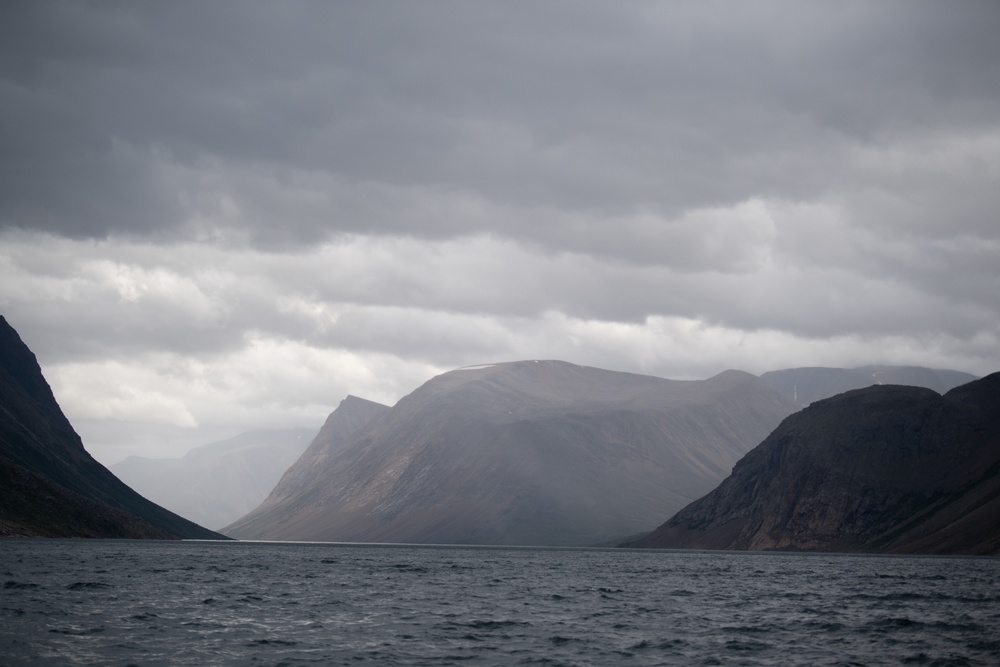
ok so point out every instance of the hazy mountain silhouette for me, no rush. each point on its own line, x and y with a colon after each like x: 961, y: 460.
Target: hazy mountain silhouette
x: 804, y: 385
x: 541, y: 452
x: 51, y: 485
x: 886, y: 468
x: 215, y: 484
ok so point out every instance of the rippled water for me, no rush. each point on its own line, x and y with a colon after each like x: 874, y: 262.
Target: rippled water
x: 191, y: 603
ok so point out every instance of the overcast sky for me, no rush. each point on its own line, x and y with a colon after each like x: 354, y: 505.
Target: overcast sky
x: 218, y: 216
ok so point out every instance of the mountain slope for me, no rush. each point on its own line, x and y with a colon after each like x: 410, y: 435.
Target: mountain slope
x: 887, y: 468
x: 305, y: 478
x: 49, y: 471
x: 350, y: 417
x: 215, y: 484
x: 33, y: 506
x: 540, y: 452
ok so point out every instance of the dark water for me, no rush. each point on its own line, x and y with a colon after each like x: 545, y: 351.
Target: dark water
x: 161, y: 603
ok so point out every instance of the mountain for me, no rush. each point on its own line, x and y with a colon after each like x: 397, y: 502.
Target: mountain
x: 883, y: 469
x: 805, y: 385
x: 215, y: 484
x: 306, y: 477
x: 532, y: 452
x: 352, y: 415
x: 51, y: 485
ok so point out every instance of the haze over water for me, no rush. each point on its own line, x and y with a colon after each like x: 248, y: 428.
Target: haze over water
x: 190, y: 603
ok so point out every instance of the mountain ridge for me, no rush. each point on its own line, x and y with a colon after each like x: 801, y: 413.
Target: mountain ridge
x: 805, y: 385
x: 529, y: 452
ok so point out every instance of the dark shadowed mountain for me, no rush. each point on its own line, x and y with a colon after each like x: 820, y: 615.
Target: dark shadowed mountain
x: 886, y: 469
x: 534, y: 452
x: 215, y: 484
x: 51, y: 485
x: 804, y: 385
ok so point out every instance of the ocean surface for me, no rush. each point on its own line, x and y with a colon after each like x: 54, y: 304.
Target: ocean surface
x: 83, y: 602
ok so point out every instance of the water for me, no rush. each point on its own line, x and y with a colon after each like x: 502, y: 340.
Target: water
x: 99, y: 602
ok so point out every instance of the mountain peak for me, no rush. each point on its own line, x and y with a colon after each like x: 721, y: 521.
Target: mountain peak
x: 351, y: 401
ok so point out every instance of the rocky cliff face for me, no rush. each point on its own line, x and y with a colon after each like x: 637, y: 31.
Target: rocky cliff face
x: 51, y: 485
x: 536, y: 452
x: 888, y: 468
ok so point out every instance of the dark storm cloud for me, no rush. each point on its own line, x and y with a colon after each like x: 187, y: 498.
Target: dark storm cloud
x: 305, y: 118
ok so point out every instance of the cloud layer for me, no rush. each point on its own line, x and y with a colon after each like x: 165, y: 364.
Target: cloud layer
x: 227, y: 215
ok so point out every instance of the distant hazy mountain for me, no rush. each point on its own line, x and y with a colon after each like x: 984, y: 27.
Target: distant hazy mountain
x: 805, y: 385
x: 49, y: 484
x: 215, y: 484
x: 540, y: 452
x: 886, y: 468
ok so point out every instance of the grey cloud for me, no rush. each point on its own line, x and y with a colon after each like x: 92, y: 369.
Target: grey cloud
x: 139, y: 117
x: 462, y: 299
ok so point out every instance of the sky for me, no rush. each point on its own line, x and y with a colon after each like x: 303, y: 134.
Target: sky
x: 223, y: 216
